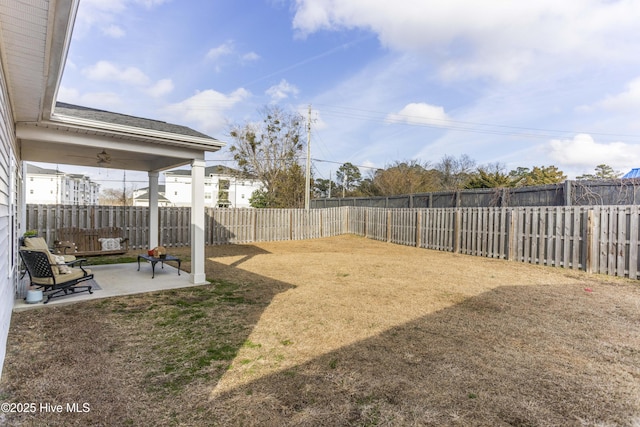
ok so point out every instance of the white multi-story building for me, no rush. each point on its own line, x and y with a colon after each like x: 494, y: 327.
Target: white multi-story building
x: 52, y: 187
x: 223, y: 187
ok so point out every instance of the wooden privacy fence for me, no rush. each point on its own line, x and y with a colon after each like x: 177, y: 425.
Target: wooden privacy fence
x: 599, y: 239
x: 221, y: 225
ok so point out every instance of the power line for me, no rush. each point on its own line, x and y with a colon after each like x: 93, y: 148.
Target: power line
x: 342, y: 163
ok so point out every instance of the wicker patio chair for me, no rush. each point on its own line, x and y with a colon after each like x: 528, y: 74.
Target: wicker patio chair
x: 48, y: 276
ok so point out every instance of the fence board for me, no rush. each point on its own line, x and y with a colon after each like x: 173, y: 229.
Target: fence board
x: 633, y: 242
x: 622, y: 242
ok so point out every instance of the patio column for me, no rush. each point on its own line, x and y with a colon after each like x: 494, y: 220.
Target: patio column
x: 153, y: 210
x: 197, y: 222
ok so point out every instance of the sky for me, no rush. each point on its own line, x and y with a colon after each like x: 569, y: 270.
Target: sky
x: 522, y: 84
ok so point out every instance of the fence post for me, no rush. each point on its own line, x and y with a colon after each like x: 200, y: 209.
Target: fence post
x: 592, y: 244
x: 345, y: 221
x: 366, y: 222
x: 567, y: 193
x: 457, y: 231
x: 633, y: 242
x: 511, y: 235
x: 254, y: 225
x: 418, y: 228
x: 388, y: 225
x: 290, y: 224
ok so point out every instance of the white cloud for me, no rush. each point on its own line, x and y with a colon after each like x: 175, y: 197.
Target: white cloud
x: 67, y: 94
x: 105, y: 100
x: 206, y: 109
x: 97, y: 13
x: 250, y: 57
x: 282, y: 91
x: 627, y: 100
x: 107, y: 71
x: 487, y: 38
x: 419, y: 114
x: 219, y: 51
x: 162, y: 87
x: 151, y: 3
x: 584, y: 152
x: 114, y: 31
x: 107, y: 15
x: 112, y: 6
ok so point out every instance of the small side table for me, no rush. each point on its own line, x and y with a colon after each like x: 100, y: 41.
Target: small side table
x: 154, y: 260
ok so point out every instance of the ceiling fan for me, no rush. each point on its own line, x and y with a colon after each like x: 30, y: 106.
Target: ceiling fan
x: 104, y: 158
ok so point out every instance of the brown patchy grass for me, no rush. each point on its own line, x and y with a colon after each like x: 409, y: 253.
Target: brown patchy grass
x: 340, y: 331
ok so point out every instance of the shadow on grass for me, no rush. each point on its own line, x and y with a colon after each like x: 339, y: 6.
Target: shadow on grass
x: 539, y: 355
x: 125, y: 356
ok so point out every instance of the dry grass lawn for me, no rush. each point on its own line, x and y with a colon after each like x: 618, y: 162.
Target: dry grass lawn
x: 339, y: 331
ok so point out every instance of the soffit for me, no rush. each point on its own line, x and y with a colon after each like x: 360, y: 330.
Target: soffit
x: 33, y: 38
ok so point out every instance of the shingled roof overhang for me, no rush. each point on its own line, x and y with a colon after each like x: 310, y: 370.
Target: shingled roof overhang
x: 75, y: 135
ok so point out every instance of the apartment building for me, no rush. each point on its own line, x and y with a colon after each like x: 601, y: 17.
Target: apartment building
x: 223, y: 187
x: 52, y: 186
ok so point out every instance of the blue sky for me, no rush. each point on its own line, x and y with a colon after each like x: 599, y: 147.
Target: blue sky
x: 520, y: 83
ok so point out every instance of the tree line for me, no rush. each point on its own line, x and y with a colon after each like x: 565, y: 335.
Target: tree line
x: 272, y: 149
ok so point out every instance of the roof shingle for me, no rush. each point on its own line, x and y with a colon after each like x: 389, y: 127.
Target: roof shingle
x: 87, y: 113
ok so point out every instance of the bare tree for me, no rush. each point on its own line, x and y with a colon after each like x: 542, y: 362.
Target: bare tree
x: 455, y: 172
x: 270, y: 150
x: 116, y: 197
x: 406, y: 177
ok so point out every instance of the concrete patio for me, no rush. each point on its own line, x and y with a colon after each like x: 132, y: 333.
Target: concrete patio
x: 120, y: 279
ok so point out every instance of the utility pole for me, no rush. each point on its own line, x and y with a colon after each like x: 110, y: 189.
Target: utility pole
x: 124, y: 188
x: 307, y: 183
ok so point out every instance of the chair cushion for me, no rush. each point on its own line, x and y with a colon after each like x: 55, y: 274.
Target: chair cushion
x: 35, y: 243
x: 75, y: 274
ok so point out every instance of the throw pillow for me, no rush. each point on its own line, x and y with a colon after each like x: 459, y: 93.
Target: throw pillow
x: 110, y: 244
x: 62, y: 267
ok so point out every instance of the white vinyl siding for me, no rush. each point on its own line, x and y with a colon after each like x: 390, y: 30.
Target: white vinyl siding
x: 9, y: 190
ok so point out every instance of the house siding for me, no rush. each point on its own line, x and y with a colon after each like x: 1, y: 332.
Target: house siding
x: 9, y: 222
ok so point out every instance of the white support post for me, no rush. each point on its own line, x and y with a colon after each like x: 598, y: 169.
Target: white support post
x: 153, y: 210
x: 197, y: 222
